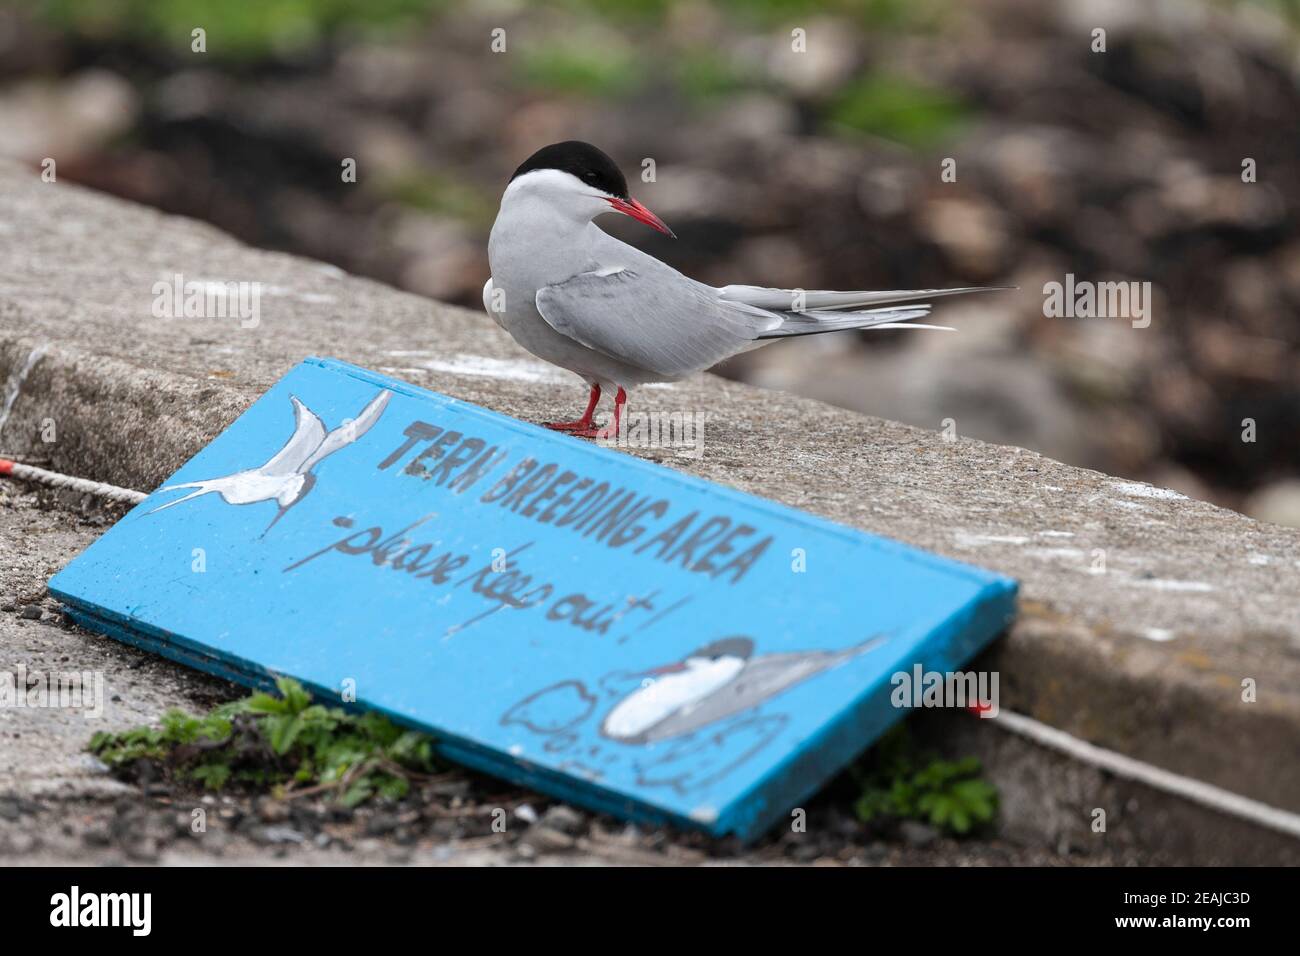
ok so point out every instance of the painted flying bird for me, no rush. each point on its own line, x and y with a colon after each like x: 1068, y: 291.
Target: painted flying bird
x: 287, y: 477
x: 581, y: 299
x: 716, y: 681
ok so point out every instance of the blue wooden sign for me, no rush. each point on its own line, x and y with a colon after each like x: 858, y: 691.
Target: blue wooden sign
x: 560, y: 614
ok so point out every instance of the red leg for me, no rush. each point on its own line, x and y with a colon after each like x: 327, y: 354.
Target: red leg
x: 583, y: 423
x: 610, y: 430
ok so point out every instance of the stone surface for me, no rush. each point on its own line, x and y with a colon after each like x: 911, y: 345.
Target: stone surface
x: 58, y: 806
x: 1142, y: 611
x: 41, y: 748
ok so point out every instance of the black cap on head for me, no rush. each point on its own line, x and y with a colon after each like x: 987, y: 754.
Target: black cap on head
x: 582, y: 160
x: 737, y: 646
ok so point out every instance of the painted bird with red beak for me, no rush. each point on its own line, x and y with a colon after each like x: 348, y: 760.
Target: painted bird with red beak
x: 579, y: 298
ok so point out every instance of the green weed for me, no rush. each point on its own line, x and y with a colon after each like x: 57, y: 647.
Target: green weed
x: 899, y: 783
x: 283, y: 742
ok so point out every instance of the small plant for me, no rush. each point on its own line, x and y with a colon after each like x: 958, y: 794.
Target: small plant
x: 899, y: 783
x: 285, y: 742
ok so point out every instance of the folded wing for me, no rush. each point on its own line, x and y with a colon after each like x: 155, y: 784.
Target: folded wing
x: 782, y: 300
x: 670, y: 327
x: 654, y: 318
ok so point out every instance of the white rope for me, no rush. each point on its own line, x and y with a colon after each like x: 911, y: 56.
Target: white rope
x: 55, y: 480
x: 1189, y: 788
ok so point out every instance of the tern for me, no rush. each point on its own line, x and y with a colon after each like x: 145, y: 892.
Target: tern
x: 582, y: 300
x: 715, y: 681
x: 287, y: 477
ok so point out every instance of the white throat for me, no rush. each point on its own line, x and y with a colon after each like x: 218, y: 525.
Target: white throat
x: 543, y: 230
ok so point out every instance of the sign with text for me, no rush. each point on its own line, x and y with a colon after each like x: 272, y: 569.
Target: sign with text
x: 566, y: 616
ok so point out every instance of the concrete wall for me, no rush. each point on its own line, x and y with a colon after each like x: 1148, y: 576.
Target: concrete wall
x: 1142, y: 611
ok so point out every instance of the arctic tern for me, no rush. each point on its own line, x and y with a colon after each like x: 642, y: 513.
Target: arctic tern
x: 577, y: 297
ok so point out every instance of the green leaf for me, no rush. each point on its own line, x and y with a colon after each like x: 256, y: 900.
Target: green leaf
x: 296, y: 698
x: 211, y: 775
x: 282, y: 730
x: 265, y: 740
x: 264, y: 703
x: 394, y: 788
x: 897, y: 783
x: 360, y: 791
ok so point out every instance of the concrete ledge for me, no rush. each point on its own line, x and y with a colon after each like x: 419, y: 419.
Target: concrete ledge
x: 1146, y: 657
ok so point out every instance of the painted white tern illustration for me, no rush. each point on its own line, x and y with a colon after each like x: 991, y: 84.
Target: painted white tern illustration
x: 287, y: 477
x: 713, y: 682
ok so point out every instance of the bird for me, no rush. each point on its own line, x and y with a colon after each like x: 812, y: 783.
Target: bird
x: 287, y: 477
x: 715, y: 681
x: 580, y: 299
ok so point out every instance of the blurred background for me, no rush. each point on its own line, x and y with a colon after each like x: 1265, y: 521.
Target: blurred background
x: 814, y: 169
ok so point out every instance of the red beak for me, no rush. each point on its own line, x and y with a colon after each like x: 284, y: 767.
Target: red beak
x: 630, y: 207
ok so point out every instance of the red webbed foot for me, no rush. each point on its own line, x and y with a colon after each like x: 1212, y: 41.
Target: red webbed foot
x: 582, y: 424
x: 610, y: 431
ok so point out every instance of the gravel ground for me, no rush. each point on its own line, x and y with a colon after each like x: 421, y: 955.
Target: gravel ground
x: 59, y: 805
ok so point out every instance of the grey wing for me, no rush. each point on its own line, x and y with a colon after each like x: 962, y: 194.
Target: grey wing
x: 652, y: 318
x: 308, y: 433
x: 347, y: 434
x: 779, y: 300
x: 763, y: 678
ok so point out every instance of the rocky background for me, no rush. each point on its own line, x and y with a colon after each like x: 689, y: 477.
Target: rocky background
x: 814, y: 169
